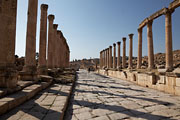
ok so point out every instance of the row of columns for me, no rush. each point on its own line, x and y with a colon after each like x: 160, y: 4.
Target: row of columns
x: 168, y: 39
x: 109, y: 61
x: 58, y: 52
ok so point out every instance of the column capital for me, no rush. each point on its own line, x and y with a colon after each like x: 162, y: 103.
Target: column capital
x: 149, y: 22
x: 119, y: 43
x: 124, y: 39
x: 55, y: 26
x: 168, y: 11
x: 131, y: 35
x: 44, y: 7
x: 114, y: 44
x: 139, y: 29
x: 110, y: 47
x: 51, y: 17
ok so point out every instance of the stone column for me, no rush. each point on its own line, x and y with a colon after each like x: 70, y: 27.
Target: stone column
x: 150, y: 45
x: 100, y: 59
x: 8, y: 74
x: 29, y: 71
x: 169, y: 48
x: 139, y: 58
x: 43, y: 40
x: 110, y: 56
x: 103, y: 58
x: 114, y: 56
x: 55, y: 52
x: 107, y: 57
x: 50, y: 42
x: 118, y: 58
x: 124, y: 53
x: 130, y: 50
x: 59, y: 48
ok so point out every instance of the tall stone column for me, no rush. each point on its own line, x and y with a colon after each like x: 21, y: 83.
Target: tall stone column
x: 100, y: 59
x: 124, y: 53
x: 150, y: 45
x: 55, y: 51
x: 29, y: 71
x: 169, y: 48
x: 8, y: 74
x: 59, y: 48
x: 118, y: 58
x: 107, y: 57
x: 130, y: 50
x: 139, y: 58
x: 103, y: 58
x: 114, y: 56
x: 110, y: 56
x: 43, y: 40
x: 50, y: 42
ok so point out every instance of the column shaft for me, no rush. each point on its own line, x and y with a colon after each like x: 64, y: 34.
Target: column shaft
x: 139, y: 58
x: 114, y: 57
x: 50, y: 42
x: 118, y: 58
x: 107, y: 57
x: 110, y: 56
x: 43, y: 36
x: 169, y: 48
x: 130, y: 50
x: 8, y: 13
x: 55, y: 52
x: 150, y: 45
x: 124, y: 53
x: 30, y: 58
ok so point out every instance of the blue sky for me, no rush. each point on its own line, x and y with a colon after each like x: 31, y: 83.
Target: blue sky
x: 92, y: 25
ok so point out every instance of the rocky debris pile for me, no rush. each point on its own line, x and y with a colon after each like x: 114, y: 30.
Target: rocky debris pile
x: 63, y: 76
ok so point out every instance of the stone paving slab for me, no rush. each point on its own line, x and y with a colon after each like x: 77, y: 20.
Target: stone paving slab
x: 97, y: 97
x: 13, y: 100
x: 49, y: 104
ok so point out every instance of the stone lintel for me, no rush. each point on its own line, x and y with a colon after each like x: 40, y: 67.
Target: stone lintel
x: 174, y: 4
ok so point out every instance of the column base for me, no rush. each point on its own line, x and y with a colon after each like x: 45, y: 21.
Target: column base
x: 8, y: 77
x: 42, y: 70
x: 29, y: 73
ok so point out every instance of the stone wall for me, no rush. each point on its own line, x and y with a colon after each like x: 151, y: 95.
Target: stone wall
x: 165, y: 83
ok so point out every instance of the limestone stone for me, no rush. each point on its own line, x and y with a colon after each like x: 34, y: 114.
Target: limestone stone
x: 43, y: 40
x: 50, y: 41
x: 124, y: 53
x: 8, y: 74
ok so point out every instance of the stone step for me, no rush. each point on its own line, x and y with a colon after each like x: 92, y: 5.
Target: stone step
x: 13, y: 100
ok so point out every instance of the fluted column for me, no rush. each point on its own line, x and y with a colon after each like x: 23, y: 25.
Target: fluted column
x: 150, y: 45
x: 55, y: 51
x: 8, y: 13
x: 124, y: 53
x: 139, y: 58
x: 43, y: 39
x: 168, y: 34
x: 114, y: 57
x: 50, y: 42
x: 110, y: 56
x: 100, y: 59
x: 130, y: 50
x: 118, y: 58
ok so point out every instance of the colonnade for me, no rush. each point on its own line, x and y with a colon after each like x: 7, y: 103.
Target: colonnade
x: 54, y: 55
x: 113, y: 61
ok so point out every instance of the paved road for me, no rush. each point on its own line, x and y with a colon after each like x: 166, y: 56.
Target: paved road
x: 97, y: 97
